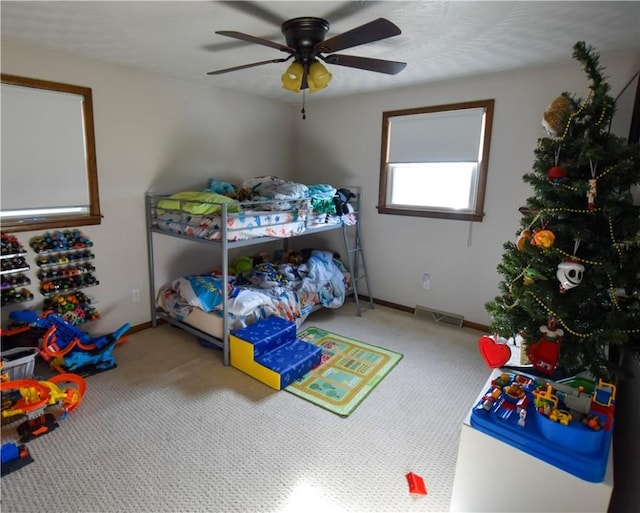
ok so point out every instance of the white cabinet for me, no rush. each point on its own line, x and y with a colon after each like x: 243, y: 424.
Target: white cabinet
x: 493, y: 476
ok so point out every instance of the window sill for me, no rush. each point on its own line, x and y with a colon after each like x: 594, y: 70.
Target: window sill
x: 31, y: 224
x: 438, y: 214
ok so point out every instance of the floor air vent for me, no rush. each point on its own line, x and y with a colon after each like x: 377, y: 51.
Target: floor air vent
x: 439, y: 316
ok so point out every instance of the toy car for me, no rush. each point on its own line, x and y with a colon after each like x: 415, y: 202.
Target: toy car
x: 562, y: 416
x: 33, y: 428
x: 14, y: 457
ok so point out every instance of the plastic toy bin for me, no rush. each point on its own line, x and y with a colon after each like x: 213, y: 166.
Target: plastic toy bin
x: 572, y: 447
x: 19, y: 362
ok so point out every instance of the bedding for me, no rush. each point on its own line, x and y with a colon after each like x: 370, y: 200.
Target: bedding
x: 240, y: 226
x: 264, y: 206
x: 285, y: 290
x: 195, y: 202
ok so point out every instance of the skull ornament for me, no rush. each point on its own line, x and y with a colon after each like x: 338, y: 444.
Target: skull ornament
x: 569, y: 275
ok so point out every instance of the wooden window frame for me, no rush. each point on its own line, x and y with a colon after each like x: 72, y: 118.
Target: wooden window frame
x: 477, y: 213
x: 46, y: 222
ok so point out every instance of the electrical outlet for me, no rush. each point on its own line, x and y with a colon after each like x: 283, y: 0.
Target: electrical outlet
x: 426, y: 281
x: 135, y: 295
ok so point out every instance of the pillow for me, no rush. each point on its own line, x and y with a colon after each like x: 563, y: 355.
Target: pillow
x: 200, y: 203
x: 204, y: 291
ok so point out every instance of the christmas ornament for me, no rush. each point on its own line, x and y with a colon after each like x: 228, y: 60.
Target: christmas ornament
x: 591, y: 194
x: 531, y: 275
x: 557, y: 174
x: 556, y: 116
x: 544, y: 353
x: 543, y: 238
x: 523, y: 238
x: 551, y: 330
x: 569, y: 274
x: 495, y: 352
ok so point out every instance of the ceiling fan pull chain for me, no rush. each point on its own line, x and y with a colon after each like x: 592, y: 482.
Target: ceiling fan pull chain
x: 304, y: 96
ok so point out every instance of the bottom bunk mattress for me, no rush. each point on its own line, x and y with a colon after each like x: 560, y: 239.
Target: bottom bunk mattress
x: 174, y: 305
x: 287, y: 291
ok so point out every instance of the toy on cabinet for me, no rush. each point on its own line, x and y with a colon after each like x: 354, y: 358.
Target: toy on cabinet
x: 568, y: 424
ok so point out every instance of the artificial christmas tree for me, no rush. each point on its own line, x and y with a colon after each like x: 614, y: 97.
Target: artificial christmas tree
x: 571, y: 285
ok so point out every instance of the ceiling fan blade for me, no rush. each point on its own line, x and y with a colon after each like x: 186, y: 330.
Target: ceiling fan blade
x: 256, y: 10
x: 373, y: 31
x: 348, y: 9
x: 245, y: 66
x: 366, y: 63
x: 254, y: 39
x: 230, y: 45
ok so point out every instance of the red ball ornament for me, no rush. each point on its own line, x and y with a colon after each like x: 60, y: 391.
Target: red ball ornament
x: 557, y: 174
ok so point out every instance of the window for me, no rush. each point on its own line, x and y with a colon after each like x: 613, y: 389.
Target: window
x: 49, y: 174
x: 434, y: 160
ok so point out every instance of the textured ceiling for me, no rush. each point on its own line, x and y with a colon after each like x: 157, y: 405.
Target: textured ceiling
x: 439, y: 40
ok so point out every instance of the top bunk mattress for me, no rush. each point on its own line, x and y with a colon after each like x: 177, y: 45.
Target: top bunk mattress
x: 260, y: 207
x: 239, y: 225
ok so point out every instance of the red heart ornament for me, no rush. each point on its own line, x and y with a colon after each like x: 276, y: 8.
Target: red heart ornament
x: 495, y: 355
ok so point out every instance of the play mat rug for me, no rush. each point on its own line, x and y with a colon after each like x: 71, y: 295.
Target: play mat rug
x: 349, y: 370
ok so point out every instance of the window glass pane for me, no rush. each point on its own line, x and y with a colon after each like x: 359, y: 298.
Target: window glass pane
x: 435, y: 185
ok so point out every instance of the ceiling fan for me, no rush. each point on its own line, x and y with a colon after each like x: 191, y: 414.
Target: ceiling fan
x: 306, y: 44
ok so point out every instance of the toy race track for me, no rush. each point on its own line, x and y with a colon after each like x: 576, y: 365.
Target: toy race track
x: 28, y: 397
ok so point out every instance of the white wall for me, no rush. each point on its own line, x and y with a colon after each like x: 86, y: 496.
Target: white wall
x: 156, y: 133
x: 339, y: 142
x: 160, y: 134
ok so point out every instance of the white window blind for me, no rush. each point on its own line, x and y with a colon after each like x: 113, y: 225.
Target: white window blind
x: 43, y: 149
x: 448, y: 136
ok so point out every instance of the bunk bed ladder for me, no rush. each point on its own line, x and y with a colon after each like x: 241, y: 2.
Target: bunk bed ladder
x: 357, y: 264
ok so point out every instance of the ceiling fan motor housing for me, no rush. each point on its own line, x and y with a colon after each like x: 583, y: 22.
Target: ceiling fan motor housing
x: 303, y: 34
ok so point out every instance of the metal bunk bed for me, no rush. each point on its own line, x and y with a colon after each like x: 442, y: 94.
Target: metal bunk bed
x: 353, y: 248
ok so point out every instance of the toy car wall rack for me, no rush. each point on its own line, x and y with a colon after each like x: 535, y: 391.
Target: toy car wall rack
x: 64, y: 262
x: 12, y: 277
x: 74, y: 307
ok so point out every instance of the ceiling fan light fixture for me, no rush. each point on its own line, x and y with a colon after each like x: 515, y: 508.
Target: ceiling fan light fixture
x: 292, y: 78
x: 319, y: 77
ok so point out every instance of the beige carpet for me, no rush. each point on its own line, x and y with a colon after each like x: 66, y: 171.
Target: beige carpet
x: 173, y: 430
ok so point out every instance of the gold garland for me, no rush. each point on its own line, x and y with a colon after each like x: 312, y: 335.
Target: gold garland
x: 612, y: 293
x: 569, y: 330
x: 607, y: 170
x: 557, y: 210
x: 576, y: 189
x: 564, y: 185
x: 601, y: 119
x: 573, y: 257
x: 572, y: 210
x: 574, y: 114
x: 613, y: 240
x: 561, y: 321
